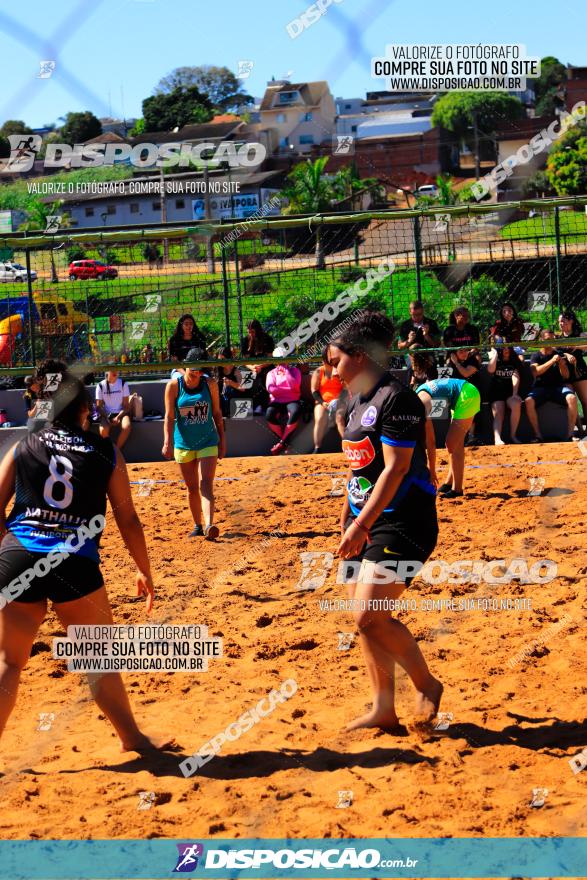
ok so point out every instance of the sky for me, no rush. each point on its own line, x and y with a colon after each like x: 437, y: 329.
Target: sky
x: 110, y: 54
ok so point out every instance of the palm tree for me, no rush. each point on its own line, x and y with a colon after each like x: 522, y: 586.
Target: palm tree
x: 309, y: 191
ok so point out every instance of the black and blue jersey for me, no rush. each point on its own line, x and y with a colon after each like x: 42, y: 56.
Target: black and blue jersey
x: 61, y: 481
x: 392, y: 415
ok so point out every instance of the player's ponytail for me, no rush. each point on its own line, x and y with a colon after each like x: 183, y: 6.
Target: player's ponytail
x: 66, y: 391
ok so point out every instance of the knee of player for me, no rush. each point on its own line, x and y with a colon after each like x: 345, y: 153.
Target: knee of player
x: 13, y: 662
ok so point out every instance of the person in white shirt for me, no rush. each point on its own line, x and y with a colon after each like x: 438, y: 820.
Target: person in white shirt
x: 112, y: 401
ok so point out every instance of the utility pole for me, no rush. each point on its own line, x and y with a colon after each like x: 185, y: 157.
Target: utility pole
x: 163, y: 214
x: 476, y: 136
x: 208, y: 218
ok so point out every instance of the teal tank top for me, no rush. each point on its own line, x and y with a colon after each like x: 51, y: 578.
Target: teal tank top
x: 443, y: 389
x: 194, y: 424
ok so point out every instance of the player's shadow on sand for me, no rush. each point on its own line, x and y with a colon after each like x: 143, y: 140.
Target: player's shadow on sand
x: 265, y: 763
x: 559, y: 735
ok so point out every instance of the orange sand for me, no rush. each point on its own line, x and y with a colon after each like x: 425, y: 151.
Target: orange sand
x: 513, y: 729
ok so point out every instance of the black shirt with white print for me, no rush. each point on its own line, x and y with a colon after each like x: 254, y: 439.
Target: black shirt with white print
x: 393, y: 415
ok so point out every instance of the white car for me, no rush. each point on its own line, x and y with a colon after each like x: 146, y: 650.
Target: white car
x: 15, y: 272
x: 21, y: 268
x: 430, y: 189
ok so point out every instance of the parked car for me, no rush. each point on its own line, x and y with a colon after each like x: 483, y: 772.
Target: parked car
x: 20, y: 268
x: 430, y: 189
x: 81, y: 269
x: 14, y: 272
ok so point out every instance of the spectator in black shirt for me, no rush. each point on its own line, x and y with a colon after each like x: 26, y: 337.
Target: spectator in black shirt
x: 504, y: 369
x: 551, y: 375
x: 460, y: 331
x: 419, y: 331
x: 256, y: 344
x: 575, y: 355
x: 187, y: 335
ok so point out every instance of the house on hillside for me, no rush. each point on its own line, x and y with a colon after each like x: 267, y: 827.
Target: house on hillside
x: 297, y: 116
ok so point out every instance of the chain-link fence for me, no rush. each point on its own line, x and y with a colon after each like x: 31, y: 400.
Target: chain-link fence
x: 116, y: 297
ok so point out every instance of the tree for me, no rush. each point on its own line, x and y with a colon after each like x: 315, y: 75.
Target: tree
x: 218, y: 84
x: 347, y: 183
x: 552, y: 74
x: 182, y: 106
x: 138, y: 128
x: 80, y: 127
x: 309, y: 191
x: 566, y: 167
x: 11, y: 126
x: 456, y: 111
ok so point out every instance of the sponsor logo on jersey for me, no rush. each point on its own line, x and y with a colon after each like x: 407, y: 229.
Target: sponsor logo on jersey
x: 369, y: 417
x: 359, y: 489
x: 359, y: 453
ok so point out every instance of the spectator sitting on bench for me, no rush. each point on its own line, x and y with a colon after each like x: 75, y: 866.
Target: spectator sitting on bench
x: 31, y: 395
x: 418, y: 331
x: 257, y: 344
x: 326, y: 391
x: 504, y: 368
x: 508, y: 326
x: 229, y: 380
x: 187, y: 336
x: 460, y: 331
x: 551, y: 374
x: 112, y: 395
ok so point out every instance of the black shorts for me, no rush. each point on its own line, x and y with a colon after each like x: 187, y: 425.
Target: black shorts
x: 74, y: 577
x: 545, y: 394
x: 407, y: 535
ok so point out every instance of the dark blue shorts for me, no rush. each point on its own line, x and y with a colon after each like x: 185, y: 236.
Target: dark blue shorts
x: 542, y: 395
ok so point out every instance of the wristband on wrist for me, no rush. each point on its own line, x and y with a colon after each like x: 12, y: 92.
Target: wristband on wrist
x: 317, y: 396
x: 363, y: 529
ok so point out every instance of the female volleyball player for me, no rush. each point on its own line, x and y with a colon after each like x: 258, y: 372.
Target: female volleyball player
x: 464, y: 400
x: 389, y: 514
x: 194, y: 417
x: 60, y: 477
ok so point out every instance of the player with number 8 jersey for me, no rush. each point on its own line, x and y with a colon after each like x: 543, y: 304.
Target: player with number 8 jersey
x: 60, y: 478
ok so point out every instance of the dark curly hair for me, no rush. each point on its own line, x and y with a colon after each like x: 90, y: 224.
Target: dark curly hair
x: 372, y: 333
x: 70, y: 396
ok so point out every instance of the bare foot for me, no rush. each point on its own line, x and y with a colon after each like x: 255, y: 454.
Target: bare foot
x: 516, y: 441
x: 375, y: 718
x: 499, y: 442
x: 145, y: 744
x: 427, y: 703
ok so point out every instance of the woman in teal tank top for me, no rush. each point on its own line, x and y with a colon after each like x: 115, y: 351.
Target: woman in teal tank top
x: 464, y: 402
x: 193, y: 434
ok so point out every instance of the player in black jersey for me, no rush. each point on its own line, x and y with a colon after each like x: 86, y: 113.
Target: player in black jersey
x: 60, y: 477
x: 388, y: 521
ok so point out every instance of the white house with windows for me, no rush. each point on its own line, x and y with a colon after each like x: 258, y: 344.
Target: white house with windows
x: 297, y: 115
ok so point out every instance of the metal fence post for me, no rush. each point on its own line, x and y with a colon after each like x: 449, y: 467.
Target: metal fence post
x: 557, y: 235
x: 226, y: 293
x: 418, y: 256
x: 31, y: 306
x: 239, y: 302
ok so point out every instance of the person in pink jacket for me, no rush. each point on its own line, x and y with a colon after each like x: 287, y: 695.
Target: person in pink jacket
x: 283, y: 384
